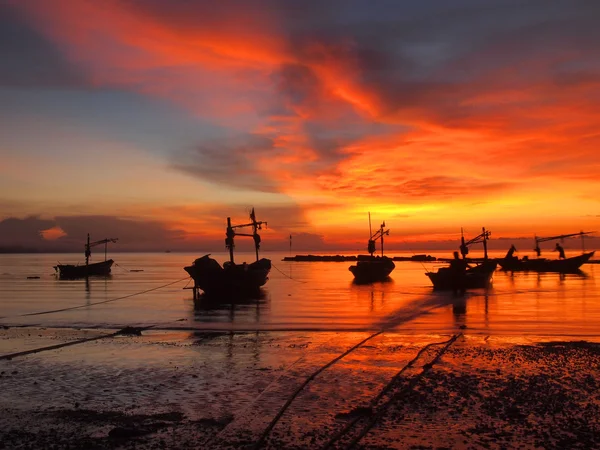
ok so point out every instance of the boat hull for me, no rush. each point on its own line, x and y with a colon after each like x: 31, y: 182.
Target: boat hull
x: 568, y: 265
x: 371, y: 270
x: 71, y: 271
x: 474, y: 278
x: 213, y: 279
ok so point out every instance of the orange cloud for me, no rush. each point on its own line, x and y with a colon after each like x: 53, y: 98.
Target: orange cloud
x: 327, y: 116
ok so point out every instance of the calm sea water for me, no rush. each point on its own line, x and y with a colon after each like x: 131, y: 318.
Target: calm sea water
x: 298, y: 296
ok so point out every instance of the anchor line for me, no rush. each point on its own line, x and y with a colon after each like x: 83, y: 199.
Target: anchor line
x: 289, y: 401
x: 378, y: 414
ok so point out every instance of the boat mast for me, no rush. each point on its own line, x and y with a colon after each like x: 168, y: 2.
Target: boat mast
x: 229, y: 239
x: 382, y: 233
x: 486, y: 237
x: 371, y: 243
x: 88, y: 252
x: 255, y: 224
x: 483, y: 238
x: 378, y: 235
x: 89, y: 245
x: 563, y: 236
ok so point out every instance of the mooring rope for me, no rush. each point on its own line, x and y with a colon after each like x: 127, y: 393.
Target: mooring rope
x: 411, y: 385
x: 289, y: 401
x: 52, y: 311
x: 385, y: 390
x: 128, y: 330
x: 286, y: 275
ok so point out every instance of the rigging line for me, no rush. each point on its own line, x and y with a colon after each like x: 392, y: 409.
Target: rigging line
x: 286, y: 275
x: 56, y: 346
x: 289, y: 401
x: 121, y: 267
x: 186, y: 284
x: 414, y: 254
x: 410, y: 386
x: 40, y: 313
x: 81, y: 341
x: 384, y: 391
x: 128, y: 270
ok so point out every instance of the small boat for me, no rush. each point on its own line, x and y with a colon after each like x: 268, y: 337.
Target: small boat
x: 479, y: 276
x: 563, y: 265
x: 476, y: 277
x: 243, y: 278
x: 232, y: 278
x: 73, y: 271
x: 371, y: 268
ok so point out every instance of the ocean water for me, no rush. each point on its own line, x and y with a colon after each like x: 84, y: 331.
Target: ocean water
x: 148, y: 289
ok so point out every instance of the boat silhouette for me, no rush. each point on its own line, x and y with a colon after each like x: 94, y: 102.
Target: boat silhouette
x: 74, y: 271
x: 372, y: 268
x: 231, y: 278
x: 563, y: 265
x: 459, y: 276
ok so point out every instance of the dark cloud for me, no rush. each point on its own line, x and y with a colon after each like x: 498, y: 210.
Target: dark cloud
x: 23, y: 233
x: 233, y: 161
x: 28, y: 59
x: 132, y: 234
x: 146, y: 235
x: 406, y: 189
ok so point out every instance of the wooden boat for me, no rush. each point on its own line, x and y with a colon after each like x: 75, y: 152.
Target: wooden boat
x: 476, y: 277
x: 73, y: 271
x: 479, y: 276
x: 369, y: 269
x: 231, y: 278
x: 209, y: 276
x: 70, y: 271
x: 565, y: 265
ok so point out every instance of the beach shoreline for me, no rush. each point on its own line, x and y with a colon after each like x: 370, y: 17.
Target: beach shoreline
x: 174, y: 389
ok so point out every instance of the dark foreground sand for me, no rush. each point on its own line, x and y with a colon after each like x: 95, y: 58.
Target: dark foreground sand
x: 219, y: 390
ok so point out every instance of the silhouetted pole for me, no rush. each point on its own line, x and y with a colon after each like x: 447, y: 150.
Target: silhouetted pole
x: 88, y: 252
x: 382, y: 233
x: 463, y: 246
x: 229, y: 239
x: 485, y: 238
x: 256, y: 243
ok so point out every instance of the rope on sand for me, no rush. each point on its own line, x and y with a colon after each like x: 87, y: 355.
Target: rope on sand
x: 383, y: 408
x: 127, y: 331
x: 289, y: 401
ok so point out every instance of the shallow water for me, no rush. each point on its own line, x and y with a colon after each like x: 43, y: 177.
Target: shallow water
x: 299, y: 296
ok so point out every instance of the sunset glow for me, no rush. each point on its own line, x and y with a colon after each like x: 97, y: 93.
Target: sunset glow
x: 155, y: 121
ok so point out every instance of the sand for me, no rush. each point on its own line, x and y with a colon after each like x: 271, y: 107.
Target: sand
x: 174, y: 389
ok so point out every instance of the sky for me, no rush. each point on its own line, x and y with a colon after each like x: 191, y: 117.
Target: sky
x: 154, y: 121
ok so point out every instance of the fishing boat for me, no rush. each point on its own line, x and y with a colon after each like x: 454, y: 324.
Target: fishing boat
x: 563, y: 265
x: 459, y: 276
x: 372, y: 268
x: 231, y: 278
x: 73, y: 271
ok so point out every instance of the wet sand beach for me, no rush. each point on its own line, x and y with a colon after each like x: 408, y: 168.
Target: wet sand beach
x: 174, y: 389
x: 317, y: 362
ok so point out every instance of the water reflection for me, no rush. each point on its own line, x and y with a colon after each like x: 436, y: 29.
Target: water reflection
x: 246, y: 342
x: 211, y: 306
x: 372, y: 294
x: 459, y: 309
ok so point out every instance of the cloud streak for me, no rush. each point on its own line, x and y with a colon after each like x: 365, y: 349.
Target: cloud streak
x: 350, y: 103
